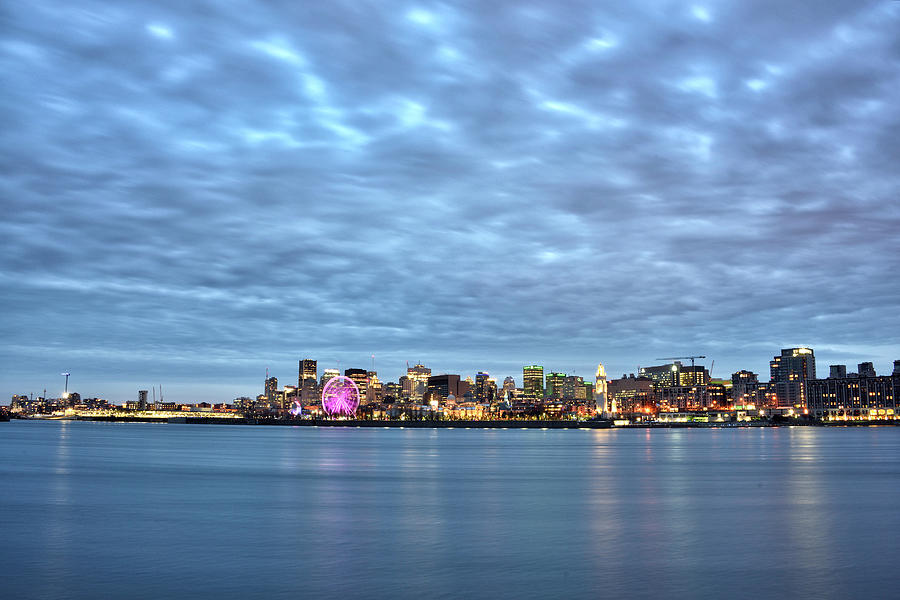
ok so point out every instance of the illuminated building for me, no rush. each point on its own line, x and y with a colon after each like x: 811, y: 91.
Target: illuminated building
x: 509, y: 387
x: 555, y: 382
x: 601, y: 391
x: 533, y: 382
x: 328, y: 375
x: 271, y: 390
x: 694, y: 375
x: 789, y: 371
x: 849, y: 398
x: 307, y: 384
x: 663, y: 375
x: 745, y: 390
x: 417, y: 381
x: 307, y: 369
x: 442, y: 386
x: 632, y: 394
x: 374, y: 392
x: 483, y: 393
x: 361, y: 378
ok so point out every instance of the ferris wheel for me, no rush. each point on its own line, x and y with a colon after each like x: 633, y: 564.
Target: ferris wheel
x: 340, y: 396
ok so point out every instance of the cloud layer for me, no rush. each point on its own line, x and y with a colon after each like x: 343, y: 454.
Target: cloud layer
x: 194, y: 192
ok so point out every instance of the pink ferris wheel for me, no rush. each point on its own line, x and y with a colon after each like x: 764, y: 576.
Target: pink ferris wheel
x: 340, y: 396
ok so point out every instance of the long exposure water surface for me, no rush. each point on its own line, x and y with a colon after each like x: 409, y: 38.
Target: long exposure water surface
x: 109, y: 510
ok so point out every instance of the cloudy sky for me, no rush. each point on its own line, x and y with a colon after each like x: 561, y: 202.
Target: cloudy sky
x: 193, y: 192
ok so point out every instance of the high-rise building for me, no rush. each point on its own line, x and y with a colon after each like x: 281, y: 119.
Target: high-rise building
x: 866, y: 369
x: 693, y: 375
x: 271, y: 388
x: 572, y: 387
x: 142, y: 399
x: 361, y: 378
x: 327, y: 375
x: 443, y: 386
x: 745, y: 389
x: 375, y: 392
x: 307, y: 375
x: 482, y: 388
x: 509, y: 386
x: 667, y: 375
x: 533, y: 382
x: 789, y: 372
x: 418, y: 381
x: 555, y: 382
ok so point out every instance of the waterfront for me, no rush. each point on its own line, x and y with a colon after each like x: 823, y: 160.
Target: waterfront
x: 151, y: 510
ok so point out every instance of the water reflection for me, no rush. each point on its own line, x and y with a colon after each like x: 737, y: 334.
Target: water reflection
x: 107, y: 511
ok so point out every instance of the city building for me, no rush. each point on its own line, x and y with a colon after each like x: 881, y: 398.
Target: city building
x: 533, y: 382
x: 417, y: 381
x: 443, y: 386
x: 789, y: 372
x: 863, y: 397
x: 485, y: 391
x: 663, y: 375
x: 270, y: 394
x: 632, y: 394
x: 837, y: 371
x: 307, y: 380
x: 555, y: 382
x: 601, y: 392
x: 694, y: 375
x: 361, y: 378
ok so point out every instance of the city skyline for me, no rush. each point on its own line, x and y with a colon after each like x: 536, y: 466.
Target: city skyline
x: 193, y: 196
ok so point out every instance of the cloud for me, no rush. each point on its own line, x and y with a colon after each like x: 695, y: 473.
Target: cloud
x: 195, y: 194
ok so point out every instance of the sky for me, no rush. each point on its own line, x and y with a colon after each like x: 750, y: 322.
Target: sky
x: 194, y: 192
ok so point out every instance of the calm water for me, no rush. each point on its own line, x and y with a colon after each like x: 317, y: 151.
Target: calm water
x: 105, y: 510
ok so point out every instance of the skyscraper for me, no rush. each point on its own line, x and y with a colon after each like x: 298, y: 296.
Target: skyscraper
x: 307, y: 374
x: 361, y: 378
x: 789, y: 372
x: 482, y: 389
x: 533, y: 382
x: 417, y: 381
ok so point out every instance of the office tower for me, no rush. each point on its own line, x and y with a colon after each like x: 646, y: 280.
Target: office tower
x: 307, y: 375
x: 142, y: 399
x: 533, y: 382
x: 327, y: 375
x: 418, y: 381
x: 789, y: 372
x: 694, y: 375
x: 482, y: 389
x: 443, y: 386
x: 555, y: 383
x: 361, y: 378
x: 375, y: 392
x: 667, y: 375
x: 271, y: 388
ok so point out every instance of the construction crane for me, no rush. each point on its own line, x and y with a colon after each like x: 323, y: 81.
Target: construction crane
x: 691, y: 358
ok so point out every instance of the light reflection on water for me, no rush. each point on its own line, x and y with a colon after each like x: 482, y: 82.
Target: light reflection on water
x: 148, y: 511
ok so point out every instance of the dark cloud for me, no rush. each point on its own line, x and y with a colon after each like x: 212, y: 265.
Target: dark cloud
x: 194, y: 192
